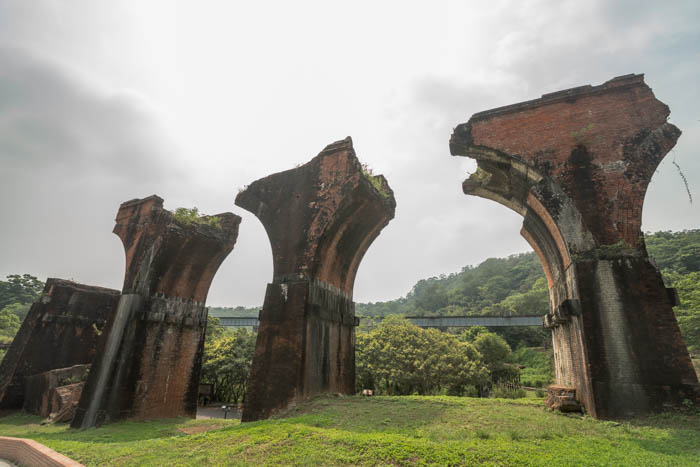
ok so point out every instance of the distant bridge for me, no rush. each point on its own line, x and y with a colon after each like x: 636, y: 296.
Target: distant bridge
x: 425, y: 321
x: 238, y: 321
x: 468, y: 321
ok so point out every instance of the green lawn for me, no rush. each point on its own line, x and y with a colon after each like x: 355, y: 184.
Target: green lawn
x: 383, y: 430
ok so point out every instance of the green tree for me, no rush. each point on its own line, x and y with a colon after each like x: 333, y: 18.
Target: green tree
x: 19, y: 309
x: 398, y: 357
x: 17, y: 294
x: 214, y: 329
x: 494, y: 350
x: 227, y: 361
x: 688, y: 312
x: 19, y: 289
x: 9, y: 325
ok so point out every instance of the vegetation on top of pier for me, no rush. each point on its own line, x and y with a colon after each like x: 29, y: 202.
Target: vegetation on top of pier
x: 376, y: 181
x: 189, y: 216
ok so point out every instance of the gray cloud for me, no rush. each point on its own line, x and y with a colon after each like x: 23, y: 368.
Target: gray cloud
x: 69, y: 154
x: 50, y: 120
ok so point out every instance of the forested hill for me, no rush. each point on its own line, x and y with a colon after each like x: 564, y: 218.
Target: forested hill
x: 516, y: 286
x: 513, y: 286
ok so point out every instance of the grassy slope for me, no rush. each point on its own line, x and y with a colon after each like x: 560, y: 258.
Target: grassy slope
x: 383, y: 430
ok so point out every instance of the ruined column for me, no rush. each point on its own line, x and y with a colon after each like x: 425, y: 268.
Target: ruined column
x: 150, y: 356
x: 320, y: 218
x: 61, y: 330
x: 576, y: 165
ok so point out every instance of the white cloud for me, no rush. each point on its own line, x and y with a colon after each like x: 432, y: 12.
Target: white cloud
x: 69, y: 154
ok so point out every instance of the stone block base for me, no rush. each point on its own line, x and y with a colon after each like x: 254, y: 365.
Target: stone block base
x: 50, y: 392
x: 562, y: 398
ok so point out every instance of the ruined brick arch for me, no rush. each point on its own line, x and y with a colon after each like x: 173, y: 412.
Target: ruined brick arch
x: 342, y: 252
x: 576, y: 165
x: 149, y: 357
x: 517, y: 186
x: 320, y: 219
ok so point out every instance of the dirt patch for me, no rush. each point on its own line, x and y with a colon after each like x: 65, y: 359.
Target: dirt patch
x: 194, y: 429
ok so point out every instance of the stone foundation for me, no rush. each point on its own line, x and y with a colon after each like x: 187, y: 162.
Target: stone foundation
x: 50, y: 392
x: 562, y: 398
x: 62, y: 329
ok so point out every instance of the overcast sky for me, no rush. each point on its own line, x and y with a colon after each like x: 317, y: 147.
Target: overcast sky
x: 105, y: 101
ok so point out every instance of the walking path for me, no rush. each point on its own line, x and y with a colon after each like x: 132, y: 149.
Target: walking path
x: 214, y: 410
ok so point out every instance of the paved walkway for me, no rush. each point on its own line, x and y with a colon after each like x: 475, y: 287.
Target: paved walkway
x: 215, y: 411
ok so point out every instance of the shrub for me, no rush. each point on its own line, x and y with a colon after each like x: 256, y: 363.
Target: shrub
x: 192, y: 216
x: 507, y: 391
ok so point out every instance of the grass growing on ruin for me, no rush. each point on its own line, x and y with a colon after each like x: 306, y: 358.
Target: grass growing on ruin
x: 375, y: 180
x: 193, y: 216
x: 383, y: 430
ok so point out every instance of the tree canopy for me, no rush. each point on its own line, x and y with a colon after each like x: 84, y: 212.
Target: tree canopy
x: 17, y: 288
x: 228, y: 357
x: 17, y: 294
x: 398, y: 357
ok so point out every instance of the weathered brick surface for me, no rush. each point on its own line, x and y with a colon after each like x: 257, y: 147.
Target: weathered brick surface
x: 320, y: 218
x: 61, y: 330
x: 602, y: 144
x: 576, y: 165
x: 64, y: 402
x: 150, y: 355
x: 41, y: 397
x: 638, y: 360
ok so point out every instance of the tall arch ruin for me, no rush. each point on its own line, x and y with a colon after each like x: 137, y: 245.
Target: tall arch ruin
x: 321, y: 218
x: 576, y: 165
x: 149, y: 358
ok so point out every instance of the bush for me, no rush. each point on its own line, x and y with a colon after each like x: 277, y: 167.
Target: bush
x: 399, y: 358
x: 507, y: 391
x: 538, y: 366
x: 192, y: 216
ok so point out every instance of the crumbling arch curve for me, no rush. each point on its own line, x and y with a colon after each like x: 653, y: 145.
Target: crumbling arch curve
x: 510, y: 181
x: 576, y: 165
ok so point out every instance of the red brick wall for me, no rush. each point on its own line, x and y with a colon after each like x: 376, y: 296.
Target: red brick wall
x: 588, y: 142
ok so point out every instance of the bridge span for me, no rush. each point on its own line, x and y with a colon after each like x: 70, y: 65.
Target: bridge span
x: 423, y: 321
